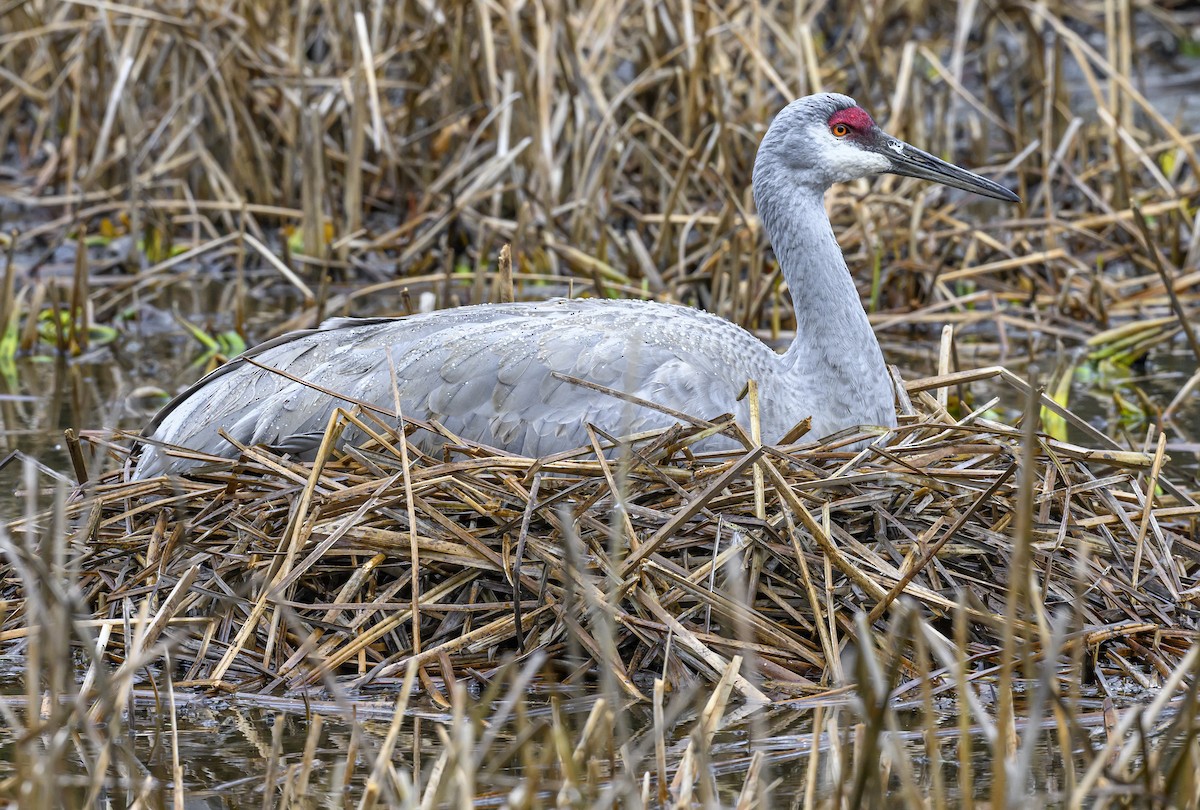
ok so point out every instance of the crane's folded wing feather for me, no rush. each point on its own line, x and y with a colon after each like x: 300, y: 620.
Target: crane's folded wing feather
x: 488, y: 373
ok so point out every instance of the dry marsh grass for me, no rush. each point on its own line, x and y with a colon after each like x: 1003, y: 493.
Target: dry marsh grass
x: 340, y: 155
x: 824, y: 615
x: 609, y: 143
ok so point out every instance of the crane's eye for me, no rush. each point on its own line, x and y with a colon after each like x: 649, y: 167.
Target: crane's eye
x: 840, y: 130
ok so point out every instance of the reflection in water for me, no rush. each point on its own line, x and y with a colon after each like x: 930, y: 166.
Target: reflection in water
x: 115, y: 386
x: 227, y: 745
x: 1102, y: 396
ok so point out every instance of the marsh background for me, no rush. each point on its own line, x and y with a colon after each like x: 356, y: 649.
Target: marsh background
x: 180, y: 180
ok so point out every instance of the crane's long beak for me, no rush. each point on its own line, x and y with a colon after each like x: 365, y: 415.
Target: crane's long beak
x: 910, y: 161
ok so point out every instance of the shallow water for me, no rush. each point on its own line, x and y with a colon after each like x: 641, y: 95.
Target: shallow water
x: 1104, y: 396
x: 223, y: 744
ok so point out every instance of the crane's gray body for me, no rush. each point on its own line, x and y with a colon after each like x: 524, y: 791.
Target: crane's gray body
x: 487, y: 372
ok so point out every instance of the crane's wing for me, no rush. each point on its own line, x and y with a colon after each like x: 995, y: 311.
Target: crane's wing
x: 486, y: 372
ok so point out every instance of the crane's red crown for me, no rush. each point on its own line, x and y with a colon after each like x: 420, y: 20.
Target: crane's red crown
x: 858, y: 119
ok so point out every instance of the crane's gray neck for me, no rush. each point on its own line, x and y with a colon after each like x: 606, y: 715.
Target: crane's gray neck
x: 834, y: 366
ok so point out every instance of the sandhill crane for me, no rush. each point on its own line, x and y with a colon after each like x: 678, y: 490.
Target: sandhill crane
x: 494, y: 372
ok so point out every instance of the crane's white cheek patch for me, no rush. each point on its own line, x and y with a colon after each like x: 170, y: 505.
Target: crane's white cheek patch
x: 858, y: 163
x: 879, y: 163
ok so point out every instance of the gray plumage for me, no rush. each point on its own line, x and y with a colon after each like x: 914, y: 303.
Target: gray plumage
x: 487, y: 372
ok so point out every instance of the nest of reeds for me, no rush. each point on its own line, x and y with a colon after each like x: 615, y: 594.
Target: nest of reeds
x: 642, y: 559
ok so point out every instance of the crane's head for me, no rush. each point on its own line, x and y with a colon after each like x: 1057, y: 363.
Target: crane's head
x: 827, y: 138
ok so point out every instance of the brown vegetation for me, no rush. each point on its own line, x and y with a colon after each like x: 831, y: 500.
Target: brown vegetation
x: 352, y: 153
